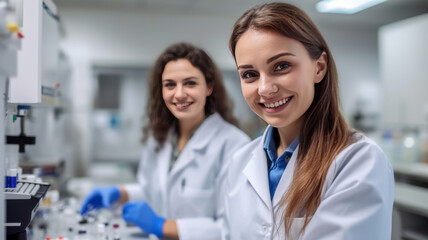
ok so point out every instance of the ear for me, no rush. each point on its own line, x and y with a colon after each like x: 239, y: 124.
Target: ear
x: 321, y: 67
x: 210, y: 89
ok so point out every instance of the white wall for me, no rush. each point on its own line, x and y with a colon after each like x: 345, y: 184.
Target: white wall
x: 137, y: 38
x: 404, y: 70
x: 355, y: 54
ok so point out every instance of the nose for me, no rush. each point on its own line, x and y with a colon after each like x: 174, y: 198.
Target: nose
x: 266, y: 86
x: 180, y: 92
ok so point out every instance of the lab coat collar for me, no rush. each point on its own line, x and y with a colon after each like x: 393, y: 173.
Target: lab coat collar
x: 286, y: 179
x: 205, y: 133
x: 257, y: 173
x: 198, y: 142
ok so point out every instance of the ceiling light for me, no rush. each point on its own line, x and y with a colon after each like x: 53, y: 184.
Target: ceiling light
x: 345, y: 6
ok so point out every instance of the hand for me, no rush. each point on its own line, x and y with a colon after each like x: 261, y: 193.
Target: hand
x: 142, y: 215
x: 102, y: 197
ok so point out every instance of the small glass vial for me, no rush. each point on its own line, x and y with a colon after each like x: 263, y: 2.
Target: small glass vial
x: 70, y: 233
x: 101, y: 232
x: 116, y: 234
x: 108, y: 231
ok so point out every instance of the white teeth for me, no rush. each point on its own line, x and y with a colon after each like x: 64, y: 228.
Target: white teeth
x: 277, y: 104
x: 182, y: 104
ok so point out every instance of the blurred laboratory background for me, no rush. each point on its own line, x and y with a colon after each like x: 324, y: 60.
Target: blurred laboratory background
x: 74, y: 75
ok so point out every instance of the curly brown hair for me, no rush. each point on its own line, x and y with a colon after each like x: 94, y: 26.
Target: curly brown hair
x: 160, y: 119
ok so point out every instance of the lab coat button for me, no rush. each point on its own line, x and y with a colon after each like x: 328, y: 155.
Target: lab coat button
x: 265, y: 229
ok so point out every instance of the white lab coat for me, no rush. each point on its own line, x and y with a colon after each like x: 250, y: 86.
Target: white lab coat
x: 193, y: 192
x: 356, y: 201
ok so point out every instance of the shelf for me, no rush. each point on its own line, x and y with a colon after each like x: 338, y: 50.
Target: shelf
x: 412, y: 197
x: 409, y: 234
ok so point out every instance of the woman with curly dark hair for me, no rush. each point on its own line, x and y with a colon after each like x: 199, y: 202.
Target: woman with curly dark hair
x: 189, y: 139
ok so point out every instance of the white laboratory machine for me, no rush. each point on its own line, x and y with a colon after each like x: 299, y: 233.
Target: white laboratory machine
x: 29, y: 56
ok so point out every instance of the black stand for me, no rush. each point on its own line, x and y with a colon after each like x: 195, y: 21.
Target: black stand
x: 18, y: 236
x: 22, y: 139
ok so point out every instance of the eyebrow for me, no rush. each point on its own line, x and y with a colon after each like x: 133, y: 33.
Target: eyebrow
x: 186, y: 79
x: 269, y: 60
x: 278, y: 56
x: 245, y: 66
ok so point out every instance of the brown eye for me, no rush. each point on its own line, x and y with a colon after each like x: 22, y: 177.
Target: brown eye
x: 248, y: 75
x: 190, y: 83
x: 281, y: 66
x: 169, y: 85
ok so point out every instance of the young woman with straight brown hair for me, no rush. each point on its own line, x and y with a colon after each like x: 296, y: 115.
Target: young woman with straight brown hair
x: 309, y: 176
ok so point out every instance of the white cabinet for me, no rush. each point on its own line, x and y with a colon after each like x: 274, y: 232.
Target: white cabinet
x: 37, y: 74
x: 403, y: 55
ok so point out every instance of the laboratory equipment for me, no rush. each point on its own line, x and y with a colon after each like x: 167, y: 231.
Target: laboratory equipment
x: 34, y: 48
x: 22, y: 203
x: 38, y: 58
x: 22, y: 197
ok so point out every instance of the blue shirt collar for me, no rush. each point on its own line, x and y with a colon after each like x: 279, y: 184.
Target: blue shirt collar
x: 272, y: 140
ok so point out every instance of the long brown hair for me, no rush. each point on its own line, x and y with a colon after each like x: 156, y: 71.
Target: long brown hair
x: 324, y: 132
x: 160, y: 118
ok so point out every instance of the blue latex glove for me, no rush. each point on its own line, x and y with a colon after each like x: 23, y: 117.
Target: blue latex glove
x: 101, y: 197
x: 142, y: 215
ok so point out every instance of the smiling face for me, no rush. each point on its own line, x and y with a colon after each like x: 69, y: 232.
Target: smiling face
x: 184, y: 90
x: 277, y: 77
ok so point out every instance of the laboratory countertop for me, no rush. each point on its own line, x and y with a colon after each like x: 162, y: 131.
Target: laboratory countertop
x: 125, y: 233
x: 411, y: 187
x: 415, y: 174
x: 69, y: 224
x: 128, y: 232
x: 414, y: 169
x: 134, y: 233
x: 413, y: 198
